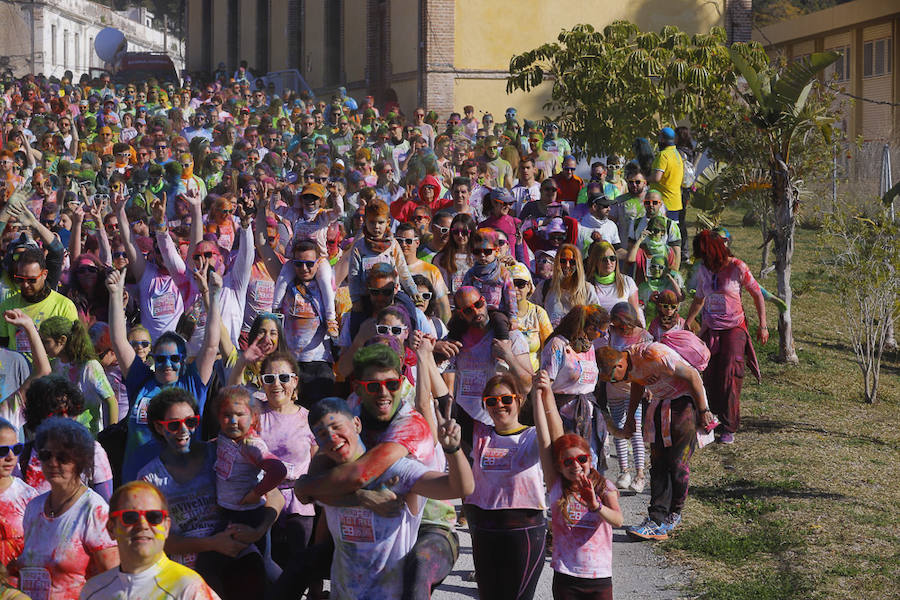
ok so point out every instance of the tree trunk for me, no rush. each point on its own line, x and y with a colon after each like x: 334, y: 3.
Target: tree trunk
x: 784, y: 199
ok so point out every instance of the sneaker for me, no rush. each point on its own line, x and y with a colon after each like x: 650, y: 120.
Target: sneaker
x: 727, y: 438
x: 637, y: 484
x: 624, y: 480
x: 648, y: 530
x: 671, y: 522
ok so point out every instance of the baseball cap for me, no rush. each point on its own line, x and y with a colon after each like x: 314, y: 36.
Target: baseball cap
x: 601, y: 199
x: 555, y: 225
x: 313, y: 189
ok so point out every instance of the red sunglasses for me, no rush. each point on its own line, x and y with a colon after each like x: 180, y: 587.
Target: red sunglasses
x: 373, y: 386
x: 174, y: 425
x: 569, y: 461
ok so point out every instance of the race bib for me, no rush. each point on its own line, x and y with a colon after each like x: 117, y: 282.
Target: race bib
x: 305, y: 230
x: 301, y: 308
x: 226, y: 454
x: 457, y: 280
x: 497, y: 459
x: 578, y: 515
x: 715, y: 304
x: 35, y: 582
x: 369, y: 261
x: 589, y: 372
x: 22, y: 343
x: 263, y: 292
x: 141, y: 411
x: 162, y: 305
x: 357, y: 526
x: 471, y: 383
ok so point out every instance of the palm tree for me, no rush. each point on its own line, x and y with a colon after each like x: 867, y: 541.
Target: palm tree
x: 779, y: 107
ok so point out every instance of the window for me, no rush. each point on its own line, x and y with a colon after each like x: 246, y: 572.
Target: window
x: 840, y: 70
x: 877, y: 57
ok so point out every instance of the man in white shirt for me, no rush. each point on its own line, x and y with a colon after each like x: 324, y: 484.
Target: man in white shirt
x: 139, y: 522
x: 596, y: 226
x: 528, y: 188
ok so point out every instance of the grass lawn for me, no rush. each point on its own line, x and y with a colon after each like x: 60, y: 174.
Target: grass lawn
x: 805, y: 503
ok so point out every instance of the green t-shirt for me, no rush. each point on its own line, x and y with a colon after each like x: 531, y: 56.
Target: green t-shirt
x: 53, y: 305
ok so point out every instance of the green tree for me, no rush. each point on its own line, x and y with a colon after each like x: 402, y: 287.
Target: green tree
x: 779, y: 105
x: 611, y: 87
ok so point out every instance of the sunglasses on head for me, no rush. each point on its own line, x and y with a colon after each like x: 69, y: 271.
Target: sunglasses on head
x: 162, y: 359
x: 505, y: 399
x: 133, y: 517
x: 385, y: 291
x: 569, y: 461
x: 61, y: 456
x: 174, y: 425
x: 16, y: 449
x: 373, y: 386
x: 140, y: 343
x: 390, y: 329
x: 476, y: 306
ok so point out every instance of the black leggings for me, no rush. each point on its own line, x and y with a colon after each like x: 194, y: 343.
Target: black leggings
x: 429, y: 561
x: 290, y: 536
x: 508, y: 550
x: 566, y: 587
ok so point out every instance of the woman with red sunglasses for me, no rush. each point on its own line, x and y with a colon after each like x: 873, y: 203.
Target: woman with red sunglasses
x: 506, y: 510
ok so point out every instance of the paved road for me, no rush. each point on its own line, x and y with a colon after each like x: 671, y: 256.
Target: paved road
x: 639, y: 573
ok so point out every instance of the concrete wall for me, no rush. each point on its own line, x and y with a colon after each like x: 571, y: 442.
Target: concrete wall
x: 314, y: 32
x: 354, y: 39
x: 280, y: 31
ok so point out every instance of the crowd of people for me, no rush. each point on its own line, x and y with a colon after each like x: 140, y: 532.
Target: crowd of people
x: 253, y: 342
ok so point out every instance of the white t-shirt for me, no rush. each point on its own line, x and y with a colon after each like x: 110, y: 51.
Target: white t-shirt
x: 582, y: 539
x: 166, y: 580
x: 369, y: 548
x: 608, y: 230
x: 58, y: 550
x: 571, y: 372
x: 608, y: 295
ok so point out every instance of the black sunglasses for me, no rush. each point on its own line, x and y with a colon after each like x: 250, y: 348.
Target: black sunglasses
x: 61, y: 457
x: 140, y: 343
x: 309, y: 264
x: 16, y: 449
x: 385, y: 291
x: 506, y: 399
x: 520, y: 283
x: 133, y: 517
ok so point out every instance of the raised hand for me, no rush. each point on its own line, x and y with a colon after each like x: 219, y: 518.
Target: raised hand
x: 17, y: 317
x: 587, y: 492
x: 115, y: 281
x: 21, y: 214
x: 258, y: 349
x: 449, y: 432
x: 158, y: 209
x: 541, y: 380
x: 201, y: 275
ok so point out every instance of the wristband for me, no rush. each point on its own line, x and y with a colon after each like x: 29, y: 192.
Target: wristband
x: 451, y: 450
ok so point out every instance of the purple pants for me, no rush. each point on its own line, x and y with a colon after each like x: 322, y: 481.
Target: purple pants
x: 724, y: 377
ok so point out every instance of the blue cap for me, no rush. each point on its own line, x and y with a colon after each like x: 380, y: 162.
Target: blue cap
x: 667, y: 132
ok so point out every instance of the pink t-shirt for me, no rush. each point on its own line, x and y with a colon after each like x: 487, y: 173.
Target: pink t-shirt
x: 653, y: 366
x: 289, y: 438
x: 582, y: 540
x: 507, y: 469
x: 721, y: 293
x: 657, y: 331
x: 161, y: 302
x: 58, y: 550
x: 12, y: 510
x: 237, y: 470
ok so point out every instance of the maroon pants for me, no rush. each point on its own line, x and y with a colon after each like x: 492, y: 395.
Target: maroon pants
x: 724, y: 377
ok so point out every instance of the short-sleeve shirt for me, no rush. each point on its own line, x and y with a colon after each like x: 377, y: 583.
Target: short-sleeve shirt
x: 721, y: 294
x: 305, y: 323
x: 192, y: 504
x: 582, y: 539
x: 608, y: 293
x: 141, y: 447
x: 672, y: 165
x: 164, y: 580
x: 101, y: 473
x: 91, y: 380
x: 14, y: 370
x: 571, y: 372
x: 237, y: 470
x: 58, y: 549
x: 162, y: 303
x: 13, y: 501
x: 55, y: 304
x: 506, y: 469
x: 289, y: 438
x: 369, y: 548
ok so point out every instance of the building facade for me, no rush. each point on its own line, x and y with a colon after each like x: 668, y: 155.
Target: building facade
x: 53, y: 36
x: 866, y: 33
x: 442, y: 54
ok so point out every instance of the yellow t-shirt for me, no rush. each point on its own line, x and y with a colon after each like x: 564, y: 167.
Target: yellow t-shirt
x: 670, y: 163
x: 51, y: 306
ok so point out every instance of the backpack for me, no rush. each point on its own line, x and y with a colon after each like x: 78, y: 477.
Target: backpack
x: 688, y: 346
x: 690, y: 175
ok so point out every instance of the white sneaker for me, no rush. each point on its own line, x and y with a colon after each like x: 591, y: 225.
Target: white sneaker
x: 637, y: 485
x: 623, y: 481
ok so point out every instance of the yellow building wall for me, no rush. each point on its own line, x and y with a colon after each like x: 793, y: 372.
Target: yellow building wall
x: 314, y: 32
x: 248, y: 33
x: 219, y: 32
x: 278, y: 42
x: 483, y: 49
x: 407, y: 94
x: 404, y: 36
x: 482, y: 43
x: 355, y: 40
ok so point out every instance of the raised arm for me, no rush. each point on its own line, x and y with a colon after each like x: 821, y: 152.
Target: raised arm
x: 136, y: 261
x: 41, y: 364
x: 171, y: 258
x: 118, y: 329
x: 349, y: 477
x: 547, y: 422
x: 263, y: 249
x: 209, y: 285
x: 458, y: 482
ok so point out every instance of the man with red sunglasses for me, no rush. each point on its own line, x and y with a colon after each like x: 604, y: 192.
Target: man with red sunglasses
x: 139, y: 523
